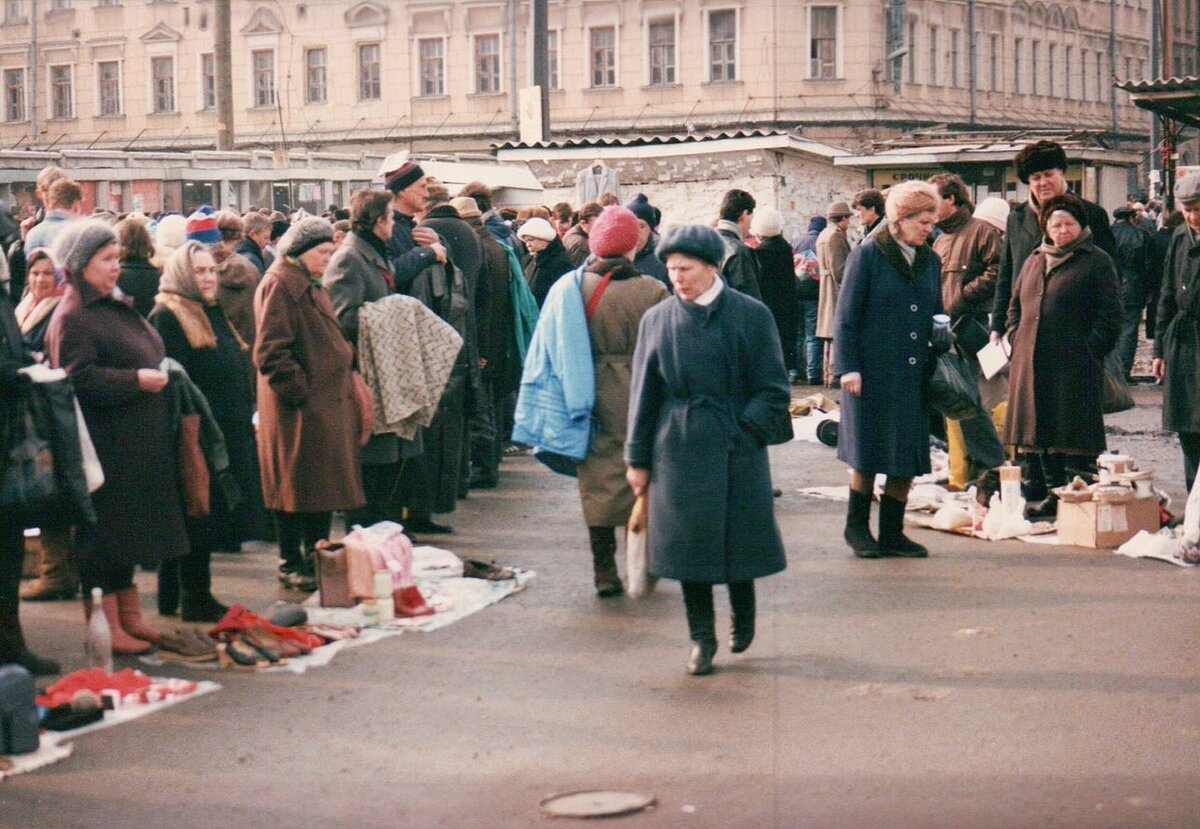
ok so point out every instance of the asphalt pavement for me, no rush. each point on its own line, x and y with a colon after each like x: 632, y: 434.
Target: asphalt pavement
x: 992, y: 685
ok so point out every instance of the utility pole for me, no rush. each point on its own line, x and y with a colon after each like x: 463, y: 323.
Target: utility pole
x: 223, y: 58
x: 1155, y: 72
x: 1112, y: 61
x: 33, y: 73
x: 513, y: 98
x: 541, y: 63
x: 973, y: 59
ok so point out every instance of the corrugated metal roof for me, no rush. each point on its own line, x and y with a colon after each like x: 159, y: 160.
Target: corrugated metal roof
x: 1184, y: 84
x: 1177, y: 99
x: 651, y: 140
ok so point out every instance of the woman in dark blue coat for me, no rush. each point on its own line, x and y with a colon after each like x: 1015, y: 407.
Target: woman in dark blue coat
x: 709, y: 393
x: 890, y: 292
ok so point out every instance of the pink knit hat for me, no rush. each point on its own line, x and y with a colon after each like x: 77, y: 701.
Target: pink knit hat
x: 614, y: 232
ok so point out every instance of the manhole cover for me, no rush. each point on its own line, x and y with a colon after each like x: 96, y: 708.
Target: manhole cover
x: 595, y: 803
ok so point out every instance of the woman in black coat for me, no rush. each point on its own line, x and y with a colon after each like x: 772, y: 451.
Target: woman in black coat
x: 139, y: 279
x: 709, y: 393
x: 777, y: 279
x: 196, y: 332
x: 548, y: 258
x: 890, y: 291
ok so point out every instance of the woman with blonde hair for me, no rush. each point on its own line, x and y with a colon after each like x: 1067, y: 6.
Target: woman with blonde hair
x: 884, y: 320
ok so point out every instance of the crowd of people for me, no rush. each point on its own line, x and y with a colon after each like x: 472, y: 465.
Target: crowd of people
x: 271, y: 344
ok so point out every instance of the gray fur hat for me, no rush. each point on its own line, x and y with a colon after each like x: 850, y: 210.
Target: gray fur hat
x: 697, y: 241
x: 78, y: 242
x: 305, y: 235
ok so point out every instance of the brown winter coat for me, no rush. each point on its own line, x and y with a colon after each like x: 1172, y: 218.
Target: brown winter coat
x: 575, y: 241
x: 308, y: 419
x: 239, y: 279
x: 832, y: 250
x: 1061, y: 326
x: 970, y: 252
x: 606, y: 497
x: 102, y: 342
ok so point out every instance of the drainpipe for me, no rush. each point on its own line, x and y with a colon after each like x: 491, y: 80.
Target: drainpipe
x: 973, y: 60
x: 512, y: 67
x: 1155, y: 72
x: 33, y: 73
x: 1112, y: 60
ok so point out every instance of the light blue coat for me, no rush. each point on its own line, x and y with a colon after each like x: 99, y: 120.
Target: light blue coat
x: 558, y: 384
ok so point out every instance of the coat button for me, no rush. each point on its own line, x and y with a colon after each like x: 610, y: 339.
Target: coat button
x: 912, y: 361
x: 913, y: 335
x: 912, y: 308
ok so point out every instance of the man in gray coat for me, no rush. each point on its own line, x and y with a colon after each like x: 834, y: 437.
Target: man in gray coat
x: 740, y: 268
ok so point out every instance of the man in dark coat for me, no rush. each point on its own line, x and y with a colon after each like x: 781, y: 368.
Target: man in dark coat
x: 740, y: 270
x: 647, y: 262
x: 869, y: 207
x: 499, y: 365
x: 1043, y: 166
x: 256, y: 230
x: 575, y: 240
x: 1132, y: 260
x: 12, y: 535
x: 809, y: 350
x: 1177, y: 343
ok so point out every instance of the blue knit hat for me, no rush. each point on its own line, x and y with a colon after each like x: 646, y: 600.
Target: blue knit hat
x: 644, y: 210
x: 202, y: 228
x: 697, y: 241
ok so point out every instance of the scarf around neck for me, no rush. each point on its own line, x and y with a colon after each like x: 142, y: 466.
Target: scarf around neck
x: 1058, y: 254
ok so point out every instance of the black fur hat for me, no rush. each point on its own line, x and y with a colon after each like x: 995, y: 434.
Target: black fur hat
x: 1039, y: 156
x: 1068, y: 202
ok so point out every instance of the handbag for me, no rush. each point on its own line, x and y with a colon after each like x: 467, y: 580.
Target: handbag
x: 333, y: 575
x: 1117, y: 397
x: 28, y: 486
x: 638, y: 580
x: 193, y: 469
x: 365, y: 401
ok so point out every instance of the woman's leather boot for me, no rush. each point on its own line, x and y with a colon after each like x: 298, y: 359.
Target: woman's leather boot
x: 858, y: 526
x: 122, y: 641
x: 741, y: 599
x: 604, y: 561
x: 702, y: 627
x: 57, y: 576
x: 195, y: 578
x: 129, y: 615
x: 892, y: 540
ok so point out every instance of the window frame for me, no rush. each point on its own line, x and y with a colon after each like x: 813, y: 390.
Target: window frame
x: 737, y: 44
x: 498, y: 57
x: 16, y: 12
x: 995, y: 63
x: 201, y: 87
x: 932, y: 77
x: 120, y: 88
x: 838, y: 41
x: 673, y: 47
x: 911, y: 57
x: 24, y: 102
x: 154, y: 110
x: 614, y: 68
x: 419, y: 75
x: 51, y: 109
x: 376, y: 81
x: 953, y: 56
x: 316, y: 72
x: 254, y: 75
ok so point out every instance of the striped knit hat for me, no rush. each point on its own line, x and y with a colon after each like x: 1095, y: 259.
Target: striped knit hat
x: 202, y: 227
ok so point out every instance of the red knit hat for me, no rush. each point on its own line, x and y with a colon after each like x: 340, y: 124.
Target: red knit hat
x: 614, y: 232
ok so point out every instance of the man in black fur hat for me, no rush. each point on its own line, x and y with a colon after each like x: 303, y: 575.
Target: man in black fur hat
x: 1043, y: 166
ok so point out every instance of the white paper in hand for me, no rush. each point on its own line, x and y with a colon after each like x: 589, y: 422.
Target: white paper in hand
x: 993, y: 357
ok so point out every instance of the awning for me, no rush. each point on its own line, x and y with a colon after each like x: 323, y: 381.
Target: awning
x: 1175, y: 98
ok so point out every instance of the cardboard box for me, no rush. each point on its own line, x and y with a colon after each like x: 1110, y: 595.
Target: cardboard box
x: 1098, y: 525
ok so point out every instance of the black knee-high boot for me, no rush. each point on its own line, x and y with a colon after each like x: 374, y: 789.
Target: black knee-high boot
x: 741, y: 599
x: 168, y: 587
x: 604, y: 561
x: 702, y: 626
x: 858, y: 525
x: 195, y: 577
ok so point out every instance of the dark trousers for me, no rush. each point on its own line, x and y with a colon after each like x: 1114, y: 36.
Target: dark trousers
x: 191, y: 573
x: 1127, y: 342
x: 1043, y: 471
x: 381, y: 485
x: 12, y: 555
x: 810, y: 352
x: 1190, y: 443
x: 300, y: 528
x: 698, y: 602
x: 487, y: 442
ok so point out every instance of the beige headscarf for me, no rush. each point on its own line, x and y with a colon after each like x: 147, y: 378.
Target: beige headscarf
x: 179, y: 294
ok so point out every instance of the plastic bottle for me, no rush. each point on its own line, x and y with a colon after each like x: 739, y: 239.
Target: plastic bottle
x: 383, y: 596
x: 99, y: 637
x: 370, y: 611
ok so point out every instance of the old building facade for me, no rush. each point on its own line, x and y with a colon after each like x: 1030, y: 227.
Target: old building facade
x: 440, y: 75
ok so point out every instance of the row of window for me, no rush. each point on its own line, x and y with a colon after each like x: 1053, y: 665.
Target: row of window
x: 1049, y: 69
x: 16, y: 12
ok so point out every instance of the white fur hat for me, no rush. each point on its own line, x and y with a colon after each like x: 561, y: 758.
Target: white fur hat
x: 994, y: 211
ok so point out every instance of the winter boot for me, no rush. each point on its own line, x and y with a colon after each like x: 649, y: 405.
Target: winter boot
x: 122, y: 642
x: 858, y: 526
x: 892, y: 541
x: 408, y: 602
x: 195, y: 578
x: 741, y: 599
x: 57, y: 578
x: 129, y: 616
x: 168, y: 587
x: 604, y: 561
x: 13, y: 648
x: 702, y: 627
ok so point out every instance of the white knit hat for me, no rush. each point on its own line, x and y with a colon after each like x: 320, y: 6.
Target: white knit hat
x: 994, y: 211
x: 537, y: 228
x: 766, y: 221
